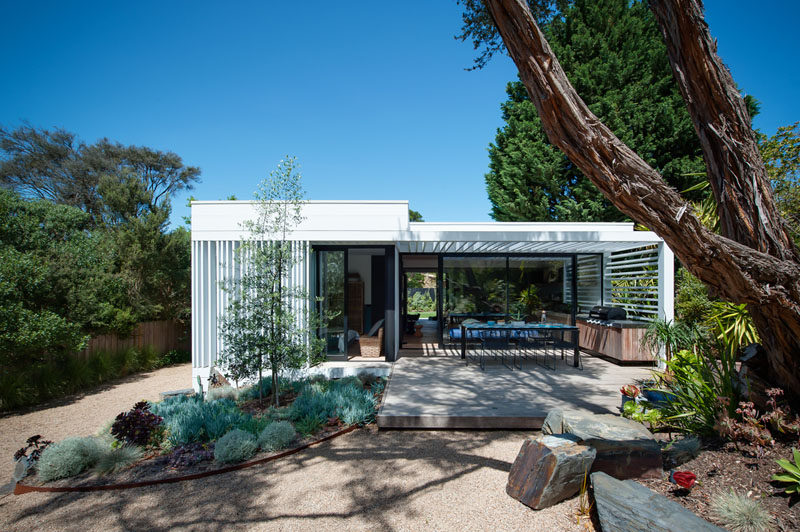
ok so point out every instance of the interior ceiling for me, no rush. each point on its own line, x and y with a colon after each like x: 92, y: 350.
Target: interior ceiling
x: 366, y: 251
x: 420, y: 262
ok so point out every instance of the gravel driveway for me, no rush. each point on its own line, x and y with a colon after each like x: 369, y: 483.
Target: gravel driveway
x: 365, y: 480
x: 83, y: 414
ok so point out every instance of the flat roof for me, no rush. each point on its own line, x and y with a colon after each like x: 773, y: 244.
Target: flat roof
x: 384, y: 222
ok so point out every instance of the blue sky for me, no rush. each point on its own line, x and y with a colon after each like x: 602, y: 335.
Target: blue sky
x: 374, y: 101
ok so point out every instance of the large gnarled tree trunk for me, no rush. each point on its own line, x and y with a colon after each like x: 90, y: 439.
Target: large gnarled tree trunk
x: 754, y: 260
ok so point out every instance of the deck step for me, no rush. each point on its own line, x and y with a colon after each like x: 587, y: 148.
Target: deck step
x: 459, y: 422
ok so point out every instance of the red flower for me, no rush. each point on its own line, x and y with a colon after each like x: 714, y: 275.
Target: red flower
x: 630, y: 390
x: 684, y: 479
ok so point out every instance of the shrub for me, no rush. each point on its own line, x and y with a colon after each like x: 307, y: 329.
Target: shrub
x: 692, y: 304
x: 112, y: 460
x: 277, y: 435
x: 68, y: 458
x: 139, y: 426
x: 737, y: 513
x: 235, y: 446
x: 696, y: 383
x: 308, y: 425
x: 175, y: 356
x: 222, y: 392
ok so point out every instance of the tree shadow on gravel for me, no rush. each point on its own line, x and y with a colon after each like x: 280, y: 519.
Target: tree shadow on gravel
x: 365, y: 479
x: 94, y: 390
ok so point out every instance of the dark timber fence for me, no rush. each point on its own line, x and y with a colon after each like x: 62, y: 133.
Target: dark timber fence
x: 162, y: 336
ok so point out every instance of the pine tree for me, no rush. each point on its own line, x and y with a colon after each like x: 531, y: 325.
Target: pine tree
x: 614, y: 55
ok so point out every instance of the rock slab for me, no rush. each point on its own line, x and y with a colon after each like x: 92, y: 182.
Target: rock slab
x: 549, y: 469
x: 627, y: 506
x: 625, y: 448
x: 680, y: 451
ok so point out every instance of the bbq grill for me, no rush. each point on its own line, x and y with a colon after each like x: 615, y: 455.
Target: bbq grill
x: 607, y: 331
x: 609, y: 316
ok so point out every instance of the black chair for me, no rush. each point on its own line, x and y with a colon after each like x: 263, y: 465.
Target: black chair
x: 494, y: 343
x: 540, y: 344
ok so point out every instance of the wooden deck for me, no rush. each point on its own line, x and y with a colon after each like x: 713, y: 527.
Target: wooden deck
x: 442, y: 392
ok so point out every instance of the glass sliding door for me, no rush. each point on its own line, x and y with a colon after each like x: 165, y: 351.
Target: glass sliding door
x: 539, y: 284
x: 331, y: 277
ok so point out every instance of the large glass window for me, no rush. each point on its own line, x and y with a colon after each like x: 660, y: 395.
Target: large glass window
x: 517, y: 287
x: 539, y: 284
x: 475, y: 285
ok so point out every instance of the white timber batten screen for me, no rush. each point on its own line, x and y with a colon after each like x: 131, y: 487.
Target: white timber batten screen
x: 215, y: 264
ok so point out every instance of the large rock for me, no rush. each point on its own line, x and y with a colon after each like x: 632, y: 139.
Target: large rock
x: 627, y: 506
x: 625, y: 448
x: 679, y: 452
x: 549, y: 469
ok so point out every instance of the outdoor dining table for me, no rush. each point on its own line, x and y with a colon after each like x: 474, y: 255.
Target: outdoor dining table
x: 468, y: 328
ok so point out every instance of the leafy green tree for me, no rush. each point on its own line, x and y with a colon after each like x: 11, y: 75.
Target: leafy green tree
x: 781, y: 154
x: 48, y: 263
x: 261, y: 328
x: 58, y: 166
x: 414, y: 216
x: 126, y: 192
x: 613, y: 54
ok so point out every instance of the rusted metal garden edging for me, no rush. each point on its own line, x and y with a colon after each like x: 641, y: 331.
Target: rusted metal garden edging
x: 21, y: 489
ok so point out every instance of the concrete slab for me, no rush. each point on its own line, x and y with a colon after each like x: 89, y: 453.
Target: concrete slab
x: 444, y: 393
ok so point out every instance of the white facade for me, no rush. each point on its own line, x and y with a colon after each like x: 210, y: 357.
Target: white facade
x: 636, y: 272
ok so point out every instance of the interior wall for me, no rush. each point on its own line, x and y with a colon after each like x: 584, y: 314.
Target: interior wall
x: 362, y: 264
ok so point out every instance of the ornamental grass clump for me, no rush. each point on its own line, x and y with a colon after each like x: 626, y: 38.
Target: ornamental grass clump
x: 222, y: 392
x: 235, y: 446
x: 189, y: 420
x: 276, y: 436
x: 112, y: 460
x: 308, y: 425
x: 345, y: 399
x: 738, y: 513
x: 69, y: 457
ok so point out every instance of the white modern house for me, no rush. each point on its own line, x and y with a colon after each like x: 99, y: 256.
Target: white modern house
x: 354, y: 257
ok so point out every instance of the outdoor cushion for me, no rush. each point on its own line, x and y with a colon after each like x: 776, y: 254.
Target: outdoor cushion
x: 374, y: 330
x: 455, y: 333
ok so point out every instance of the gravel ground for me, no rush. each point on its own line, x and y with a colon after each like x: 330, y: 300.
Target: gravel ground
x: 83, y: 414
x: 365, y: 480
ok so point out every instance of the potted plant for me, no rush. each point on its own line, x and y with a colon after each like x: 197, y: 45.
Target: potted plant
x: 629, y: 393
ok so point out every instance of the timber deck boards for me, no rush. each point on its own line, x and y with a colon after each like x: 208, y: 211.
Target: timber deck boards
x: 445, y: 393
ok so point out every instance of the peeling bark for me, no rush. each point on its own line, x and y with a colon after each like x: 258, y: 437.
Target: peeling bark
x: 754, y: 260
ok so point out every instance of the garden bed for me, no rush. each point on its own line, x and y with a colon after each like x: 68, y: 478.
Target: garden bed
x: 747, y: 470
x: 179, y: 437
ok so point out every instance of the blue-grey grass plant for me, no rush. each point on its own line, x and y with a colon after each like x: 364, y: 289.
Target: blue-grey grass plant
x: 739, y: 513
x: 69, y: 457
x: 235, y: 446
x: 277, y: 435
